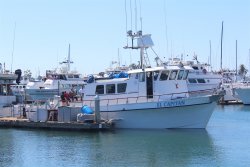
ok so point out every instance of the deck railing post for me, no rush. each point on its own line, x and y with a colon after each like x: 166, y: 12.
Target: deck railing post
x: 97, y: 109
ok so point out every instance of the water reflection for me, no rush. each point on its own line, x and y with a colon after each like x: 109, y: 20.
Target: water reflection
x: 118, y: 148
x: 244, y: 108
x: 154, y: 148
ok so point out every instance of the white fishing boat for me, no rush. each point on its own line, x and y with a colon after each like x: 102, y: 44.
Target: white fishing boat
x: 156, y: 97
x: 228, y: 84
x: 18, y: 89
x: 6, y: 80
x: 200, y: 80
x: 56, y: 81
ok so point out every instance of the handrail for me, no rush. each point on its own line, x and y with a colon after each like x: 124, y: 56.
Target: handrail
x: 137, y: 99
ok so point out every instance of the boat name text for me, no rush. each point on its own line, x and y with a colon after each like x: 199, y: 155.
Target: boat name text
x: 171, y: 104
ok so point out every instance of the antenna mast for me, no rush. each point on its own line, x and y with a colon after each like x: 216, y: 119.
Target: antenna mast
x: 13, y: 47
x: 221, y: 46
x: 236, y: 57
x: 210, y: 55
x: 68, y: 61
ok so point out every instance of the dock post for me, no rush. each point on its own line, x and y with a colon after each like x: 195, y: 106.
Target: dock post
x: 97, y: 109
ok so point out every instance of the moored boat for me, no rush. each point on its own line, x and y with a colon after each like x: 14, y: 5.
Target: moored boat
x: 150, y: 97
x: 55, y: 82
x: 243, y: 92
x: 6, y: 80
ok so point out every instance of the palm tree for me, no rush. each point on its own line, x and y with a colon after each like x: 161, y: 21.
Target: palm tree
x: 242, y: 71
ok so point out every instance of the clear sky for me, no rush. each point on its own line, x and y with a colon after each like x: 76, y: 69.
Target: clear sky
x: 96, y: 29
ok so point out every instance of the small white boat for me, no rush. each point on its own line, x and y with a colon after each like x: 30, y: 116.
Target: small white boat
x: 156, y: 97
x: 56, y: 81
x: 200, y: 80
x: 6, y: 80
x: 228, y: 85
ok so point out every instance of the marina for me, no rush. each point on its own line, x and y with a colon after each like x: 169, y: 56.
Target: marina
x: 177, y: 97
x: 222, y: 143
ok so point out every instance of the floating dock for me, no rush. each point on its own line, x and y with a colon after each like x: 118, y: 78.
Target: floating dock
x: 13, y: 122
x: 229, y: 102
x: 56, y: 117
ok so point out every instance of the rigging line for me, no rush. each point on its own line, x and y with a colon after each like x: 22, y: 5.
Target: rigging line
x: 135, y: 16
x: 13, y: 47
x: 140, y: 14
x: 131, y: 14
x: 126, y: 16
x: 165, y: 20
x: 154, y: 51
x: 147, y: 62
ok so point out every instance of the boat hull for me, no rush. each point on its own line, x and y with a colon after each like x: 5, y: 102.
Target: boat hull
x: 7, y: 100
x: 41, y: 94
x: 179, y: 113
x: 244, y: 94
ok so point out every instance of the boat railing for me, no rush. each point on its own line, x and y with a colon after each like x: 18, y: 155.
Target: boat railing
x: 203, y: 92
x: 137, y: 99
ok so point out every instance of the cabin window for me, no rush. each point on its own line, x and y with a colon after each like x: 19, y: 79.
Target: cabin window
x: 156, y: 74
x: 164, y: 75
x: 191, y: 80
x: 70, y: 76
x: 76, y: 76
x: 195, y: 68
x: 180, y: 74
x: 63, y: 77
x: 185, y: 75
x: 141, y: 77
x: 201, y: 80
x: 121, y: 88
x: 99, y: 89
x: 173, y: 75
x: 110, y: 88
x: 136, y: 76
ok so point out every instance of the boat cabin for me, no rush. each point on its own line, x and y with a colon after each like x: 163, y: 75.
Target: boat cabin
x: 149, y: 83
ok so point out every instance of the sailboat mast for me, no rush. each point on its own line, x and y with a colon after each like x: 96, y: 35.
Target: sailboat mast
x: 221, y: 46
x: 13, y: 47
x: 236, y: 58
x: 69, y: 59
x: 210, y: 54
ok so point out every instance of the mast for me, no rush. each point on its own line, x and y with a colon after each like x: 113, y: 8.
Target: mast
x: 143, y: 42
x: 210, y: 54
x: 249, y: 60
x: 68, y: 61
x: 221, y: 46
x: 236, y: 59
x: 13, y: 47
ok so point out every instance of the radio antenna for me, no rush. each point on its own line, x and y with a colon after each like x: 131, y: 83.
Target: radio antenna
x: 13, y: 47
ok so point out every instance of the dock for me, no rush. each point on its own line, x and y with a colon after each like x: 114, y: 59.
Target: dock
x: 54, y: 117
x: 14, y: 122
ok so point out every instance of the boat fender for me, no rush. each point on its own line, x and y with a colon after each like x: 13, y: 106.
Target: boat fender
x: 90, y: 79
x: 86, y: 110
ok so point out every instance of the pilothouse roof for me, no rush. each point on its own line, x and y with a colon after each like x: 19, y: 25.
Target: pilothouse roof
x: 161, y: 68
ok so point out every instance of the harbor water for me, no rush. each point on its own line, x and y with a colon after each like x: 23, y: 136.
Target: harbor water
x: 225, y: 142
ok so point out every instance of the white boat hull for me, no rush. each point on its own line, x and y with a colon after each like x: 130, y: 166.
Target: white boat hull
x: 7, y: 100
x: 41, y: 94
x: 179, y: 113
x: 244, y: 94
